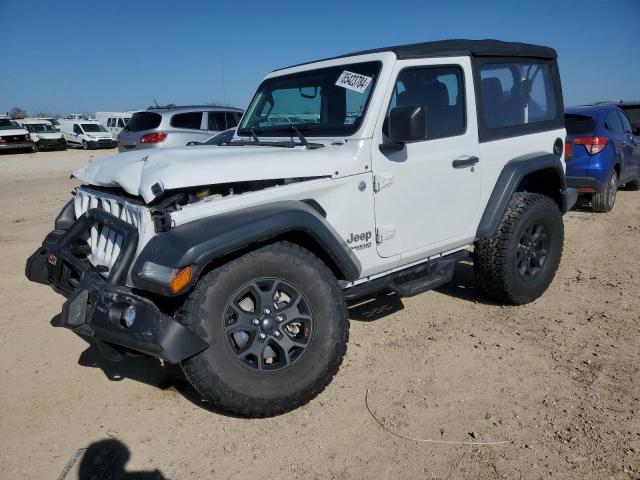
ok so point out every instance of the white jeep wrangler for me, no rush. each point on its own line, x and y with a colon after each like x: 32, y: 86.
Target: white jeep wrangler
x: 368, y: 172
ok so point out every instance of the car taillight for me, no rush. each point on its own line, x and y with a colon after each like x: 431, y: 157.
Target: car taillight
x: 155, y: 137
x: 592, y: 144
x: 568, y: 147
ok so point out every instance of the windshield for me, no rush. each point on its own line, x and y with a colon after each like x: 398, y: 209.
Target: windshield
x: 41, y: 128
x: 6, y: 124
x: 93, y: 127
x: 323, y: 102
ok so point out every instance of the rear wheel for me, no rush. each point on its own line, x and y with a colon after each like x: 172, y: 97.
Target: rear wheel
x: 517, y: 264
x: 603, y: 201
x: 276, y: 323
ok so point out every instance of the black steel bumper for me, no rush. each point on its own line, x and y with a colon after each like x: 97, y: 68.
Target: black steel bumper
x: 102, y: 143
x: 51, y: 143
x: 95, y: 305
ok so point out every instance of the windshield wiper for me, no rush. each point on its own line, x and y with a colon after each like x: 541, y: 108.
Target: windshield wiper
x: 292, y: 129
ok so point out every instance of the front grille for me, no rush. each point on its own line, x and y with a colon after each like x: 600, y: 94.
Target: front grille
x: 14, y: 139
x: 105, y: 143
x: 105, y: 243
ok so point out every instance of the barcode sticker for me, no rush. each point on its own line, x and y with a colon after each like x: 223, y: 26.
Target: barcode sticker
x: 353, y: 81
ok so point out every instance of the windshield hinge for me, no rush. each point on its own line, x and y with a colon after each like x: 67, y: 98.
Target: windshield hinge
x: 385, y: 232
x: 381, y: 181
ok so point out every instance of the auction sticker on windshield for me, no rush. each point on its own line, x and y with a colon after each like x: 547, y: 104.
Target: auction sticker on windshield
x: 353, y: 81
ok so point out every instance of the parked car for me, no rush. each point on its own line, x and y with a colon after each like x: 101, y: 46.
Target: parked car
x: 114, y: 122
x: 237, y: 261
x: 43, y: 134
x: 604, y: 153
x: 13, y: 136
x: 632, y: 109
x: 53, y: 121
x: 175, y: 126
x: 86, y: 134
x: 223, y: 137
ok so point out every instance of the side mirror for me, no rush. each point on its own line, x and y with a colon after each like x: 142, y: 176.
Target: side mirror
x: 191, y: 144
x: 406, y: 125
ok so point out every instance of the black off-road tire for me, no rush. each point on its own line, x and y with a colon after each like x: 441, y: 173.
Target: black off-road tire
x: 603, y: 201
x: 217, y: 373
x: 495, y: 258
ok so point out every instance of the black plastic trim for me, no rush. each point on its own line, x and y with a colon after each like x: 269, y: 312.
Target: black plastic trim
x: 512, y: 174
x: 585, y: 182
x: 199, y: 242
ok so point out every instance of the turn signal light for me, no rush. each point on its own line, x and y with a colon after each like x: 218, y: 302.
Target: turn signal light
x: 593, y: 145
x: 181, y: 279
x: 156, y: 137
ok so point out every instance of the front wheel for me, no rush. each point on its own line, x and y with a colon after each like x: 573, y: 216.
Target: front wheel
x: 85, y: 145
x: 277, y: 327
x: 517, y: 264
x: 603, y: 201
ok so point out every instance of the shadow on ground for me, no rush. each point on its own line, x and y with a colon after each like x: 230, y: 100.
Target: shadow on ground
x: 106, y: 459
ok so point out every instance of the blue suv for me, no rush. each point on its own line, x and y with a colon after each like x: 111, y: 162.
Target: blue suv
x: 602, y: 153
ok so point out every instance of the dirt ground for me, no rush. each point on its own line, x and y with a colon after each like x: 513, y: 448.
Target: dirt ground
x: 556, y: 379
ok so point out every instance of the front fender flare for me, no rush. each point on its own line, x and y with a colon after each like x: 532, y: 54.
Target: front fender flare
x: 200, y: 242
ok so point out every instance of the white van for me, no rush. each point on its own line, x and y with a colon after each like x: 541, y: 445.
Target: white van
x: 43, y: 133
x: 86, y: 134
x: 114, y: 122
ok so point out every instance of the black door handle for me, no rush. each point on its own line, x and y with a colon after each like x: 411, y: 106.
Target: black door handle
x: 465, y: 162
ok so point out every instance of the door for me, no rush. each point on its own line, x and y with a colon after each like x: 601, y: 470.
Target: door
x: 631, y: 143
x: 613, y: 124
x: 427, y: 194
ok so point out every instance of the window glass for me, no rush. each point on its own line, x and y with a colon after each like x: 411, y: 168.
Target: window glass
x: 326, y: 101
x: 93, y: 127
x: 190, y: 120
x: 120, y: 123
x: 440, y: 90
x: 76, y: 129
x: 634, y: 115
x: 626, y: 125
x: 579, y: 124
x: 109, y: 122
x: 144, y: 121
x: 517, y: 94
x: 221, y: 120
x: 612, y: 123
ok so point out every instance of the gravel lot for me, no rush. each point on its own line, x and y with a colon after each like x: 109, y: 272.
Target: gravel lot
x: 556, y: 379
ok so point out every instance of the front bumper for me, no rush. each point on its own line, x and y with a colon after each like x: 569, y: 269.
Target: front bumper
x: 95, y: 304
x: 15, y: 146
x: 51, y: 143
x: 102, y: 143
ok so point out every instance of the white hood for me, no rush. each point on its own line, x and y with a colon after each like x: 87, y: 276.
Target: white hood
x: 9, y: 132
x: 136, y: 172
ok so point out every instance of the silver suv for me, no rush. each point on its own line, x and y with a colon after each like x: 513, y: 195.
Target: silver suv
x: 176, y: 126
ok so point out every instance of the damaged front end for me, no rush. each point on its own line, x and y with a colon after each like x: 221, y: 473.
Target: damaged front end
x: 99, y: 305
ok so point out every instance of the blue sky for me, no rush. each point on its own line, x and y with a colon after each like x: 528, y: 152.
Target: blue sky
x: 85, y: 56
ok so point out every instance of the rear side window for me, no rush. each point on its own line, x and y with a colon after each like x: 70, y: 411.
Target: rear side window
x: 579, y: 124
x: 626, y: 125
x: 221, y: 120
x: 144, y: 121
x: 612, y: 123
x: 191, y: 120
x: 515, y: 94
x: 440, y: 90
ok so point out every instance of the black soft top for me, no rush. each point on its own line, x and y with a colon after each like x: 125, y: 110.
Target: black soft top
x: 454, y: 48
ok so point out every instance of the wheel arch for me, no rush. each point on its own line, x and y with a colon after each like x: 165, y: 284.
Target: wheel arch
x: 535, y: 173
x: 212, y: 241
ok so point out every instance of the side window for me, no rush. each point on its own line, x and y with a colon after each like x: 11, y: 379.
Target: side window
x: 613, y: 123
x: 109, y: 122
x: 440, y: 90
x: 626, y: 124
x: 76, y: 129
x: 120, y: 123
x: 221, y: 120
x: 190, y: 120
x: 517, y: 94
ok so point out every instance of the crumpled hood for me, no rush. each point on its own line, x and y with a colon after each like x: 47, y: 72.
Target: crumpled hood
x: 137, y: 171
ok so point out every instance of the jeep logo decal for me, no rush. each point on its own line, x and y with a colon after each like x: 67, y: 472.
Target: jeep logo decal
x: 360, y: 237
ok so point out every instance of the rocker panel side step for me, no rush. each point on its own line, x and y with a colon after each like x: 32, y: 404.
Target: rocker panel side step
x: 413, y: 280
